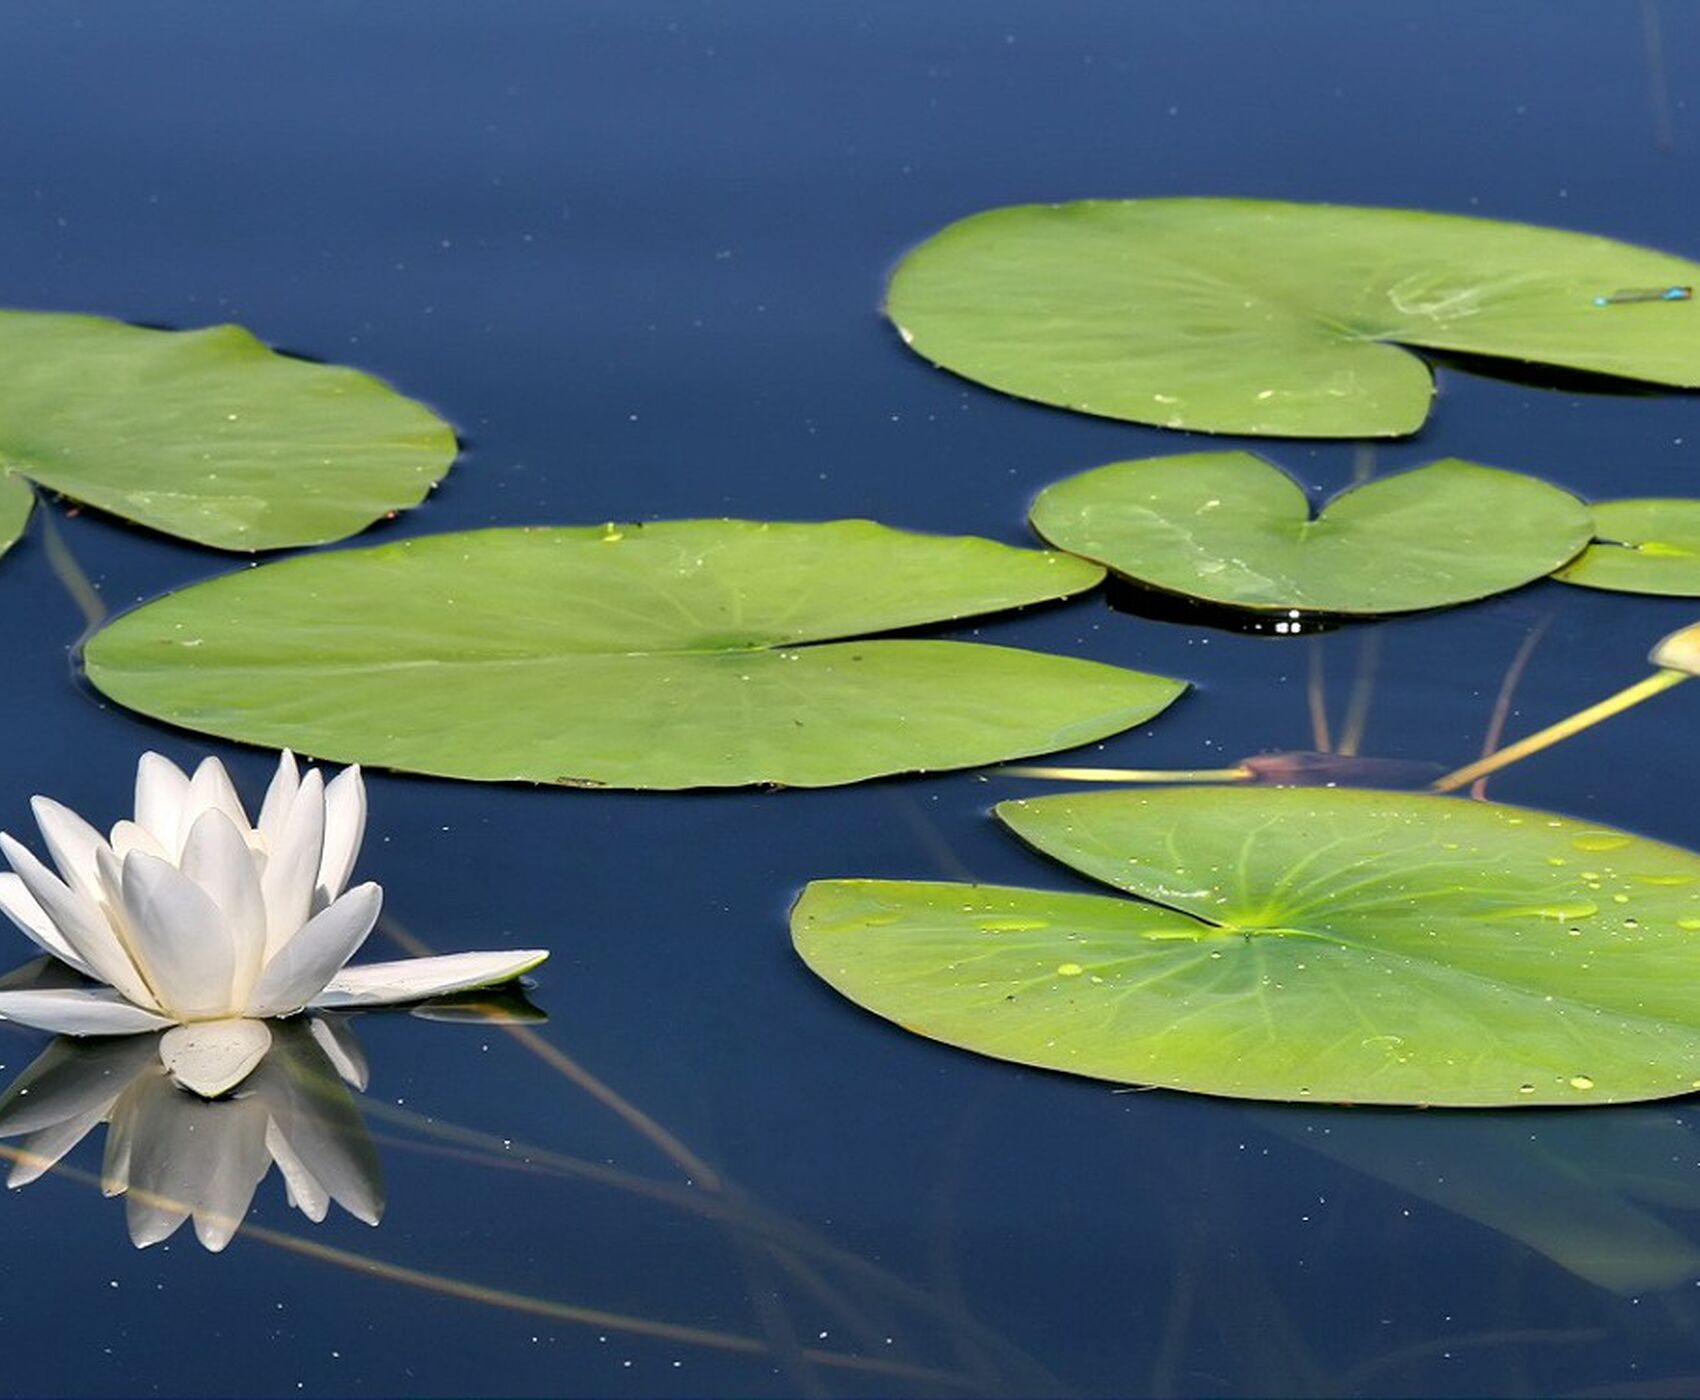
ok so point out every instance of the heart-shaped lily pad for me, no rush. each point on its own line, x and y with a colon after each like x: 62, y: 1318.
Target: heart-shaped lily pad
x: 207, y: 435
x: 1231, y: 528
x: 1641, y: 546
x: 1299, y: 943
x: 1255, y: 316
x: 665, y: 655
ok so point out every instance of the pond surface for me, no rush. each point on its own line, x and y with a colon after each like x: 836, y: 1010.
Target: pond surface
x: 635, y: 252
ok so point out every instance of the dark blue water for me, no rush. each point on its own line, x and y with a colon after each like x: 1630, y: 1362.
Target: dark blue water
x: 635, y: 252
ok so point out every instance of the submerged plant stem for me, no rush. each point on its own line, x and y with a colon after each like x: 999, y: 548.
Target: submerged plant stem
x: 472, y: 1292
x: 1658, y: 86
x: 1363, y: 463
x: 1363, y: 691
x: 1316, y: 697
x: 68, y: 571
x: 634, y: 1117
x: 588, y: 1317
x: 1507, y: 691
x: 1554, y: 733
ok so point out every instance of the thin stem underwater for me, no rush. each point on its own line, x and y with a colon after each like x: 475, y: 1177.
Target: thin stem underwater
x: 1507, y: 692
x: 710, y: 1195
x: 634, y: 1117
x: 1316, y: 699
x: 67, y: 570
x: 469, y: 1291
x: 1624, y: 699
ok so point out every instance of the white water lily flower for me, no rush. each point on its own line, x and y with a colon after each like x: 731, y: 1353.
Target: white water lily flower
x: 195, y: 919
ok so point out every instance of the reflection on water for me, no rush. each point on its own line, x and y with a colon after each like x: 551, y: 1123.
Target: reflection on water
x: 175, y: 1156
x: 635, y: 250
x: 1584, y: 1189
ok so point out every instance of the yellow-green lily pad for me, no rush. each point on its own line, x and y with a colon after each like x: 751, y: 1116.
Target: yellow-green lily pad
x: 1304, y: 944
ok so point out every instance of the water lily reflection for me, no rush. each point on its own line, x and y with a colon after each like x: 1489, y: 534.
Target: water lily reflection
x: 175, y: 1156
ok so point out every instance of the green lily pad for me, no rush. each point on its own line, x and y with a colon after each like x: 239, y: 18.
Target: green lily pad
x: 1299, y: 944
x: 208, y: 435
x: 666, y: 655
x: 16, y: 502
x: 1231, y: 528
x: 1255, y: 316
x: 1641, y: 546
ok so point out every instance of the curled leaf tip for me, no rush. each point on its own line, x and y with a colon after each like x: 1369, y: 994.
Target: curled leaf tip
x: 1680, y: 651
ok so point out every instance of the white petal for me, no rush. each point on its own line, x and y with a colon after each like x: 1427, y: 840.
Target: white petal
x: 131, y: 836
x: 298, y: 971
x: 78, y: 1011
x: 380, y: 984
x: 21, y: 908
x: 304, y: 1193
x: 118, y: 919
x: 292, y: 865
x: 71, y: 842
x: 212, y: 1057
x: 336, y: 1038
x: 80, y: 924
x: 181, y: 940
x: 280, y: 797
x: 345, y: 826
x: 210, y: 790
x: 162, y: 790
x: 217, y: 858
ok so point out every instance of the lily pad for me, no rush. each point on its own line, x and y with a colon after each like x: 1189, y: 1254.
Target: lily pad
x: 666, y: 655
x: 1231, y: 528
x: 1255, y: 316
x: 208, y: 434
x: 16, y: 502
x: 1299, y: 944
x: 1641, y: 546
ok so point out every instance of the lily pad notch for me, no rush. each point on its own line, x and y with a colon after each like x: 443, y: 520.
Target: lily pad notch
x: 208, y: 435
x: 1233, y: 529
x: 1641, y: 546
x: 1321, y: 945
x: 1274, y: 318
x: 668, y: 655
